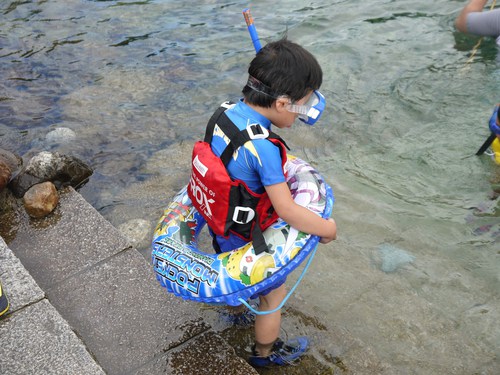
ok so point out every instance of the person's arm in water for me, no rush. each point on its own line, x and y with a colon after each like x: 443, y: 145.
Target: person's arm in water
x: 300, y: 217
x: 472, y: 6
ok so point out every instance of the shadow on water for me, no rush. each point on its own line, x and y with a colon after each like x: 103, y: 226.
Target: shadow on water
x: 398, y: 15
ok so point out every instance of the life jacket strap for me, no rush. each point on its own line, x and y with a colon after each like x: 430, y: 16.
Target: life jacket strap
x: 258, y: 240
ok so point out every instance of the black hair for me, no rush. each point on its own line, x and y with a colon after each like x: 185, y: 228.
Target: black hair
x: 285, y: 68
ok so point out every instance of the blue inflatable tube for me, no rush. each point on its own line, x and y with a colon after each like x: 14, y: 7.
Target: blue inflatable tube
x: 227, y: 278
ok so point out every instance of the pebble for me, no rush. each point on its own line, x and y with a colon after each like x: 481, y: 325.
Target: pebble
x: 41, y: 199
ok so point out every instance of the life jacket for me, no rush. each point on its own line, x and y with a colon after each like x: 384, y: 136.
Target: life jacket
x: 228, y: 205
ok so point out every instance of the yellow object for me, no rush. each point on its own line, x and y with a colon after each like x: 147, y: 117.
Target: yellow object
x: 495, y: 147
x: 4, y: 302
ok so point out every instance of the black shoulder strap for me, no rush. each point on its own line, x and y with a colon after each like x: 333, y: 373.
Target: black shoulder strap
x: 209, y: 132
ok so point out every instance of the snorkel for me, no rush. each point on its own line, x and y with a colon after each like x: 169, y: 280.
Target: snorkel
x: 252, y: 30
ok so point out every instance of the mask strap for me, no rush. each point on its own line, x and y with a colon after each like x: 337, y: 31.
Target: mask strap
x: 260, y: 87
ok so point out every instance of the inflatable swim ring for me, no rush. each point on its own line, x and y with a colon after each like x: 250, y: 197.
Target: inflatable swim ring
x: 225, y: 278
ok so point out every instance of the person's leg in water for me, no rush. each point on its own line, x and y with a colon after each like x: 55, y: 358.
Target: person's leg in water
x: 269, y: 349
x: 267, y: 327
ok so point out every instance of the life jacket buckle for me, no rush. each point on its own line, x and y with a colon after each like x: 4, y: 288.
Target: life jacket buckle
x: 243, y: 215
x: 256, y: 131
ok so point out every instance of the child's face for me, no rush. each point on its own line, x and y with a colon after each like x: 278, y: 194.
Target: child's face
x: 285, y: 119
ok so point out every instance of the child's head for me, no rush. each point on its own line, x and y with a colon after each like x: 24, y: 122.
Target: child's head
x: 282, y: 68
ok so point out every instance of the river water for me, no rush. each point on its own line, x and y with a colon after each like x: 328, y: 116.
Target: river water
x: 412, y: 284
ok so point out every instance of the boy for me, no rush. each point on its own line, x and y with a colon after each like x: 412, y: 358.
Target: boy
x: 283, y: 77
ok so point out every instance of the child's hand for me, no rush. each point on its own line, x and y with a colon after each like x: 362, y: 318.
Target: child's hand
x: 332, y: 229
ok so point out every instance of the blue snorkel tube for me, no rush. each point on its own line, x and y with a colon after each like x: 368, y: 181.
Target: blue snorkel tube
x: 252, y: 30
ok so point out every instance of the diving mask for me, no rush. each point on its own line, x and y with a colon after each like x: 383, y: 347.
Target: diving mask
x: 309, y: 112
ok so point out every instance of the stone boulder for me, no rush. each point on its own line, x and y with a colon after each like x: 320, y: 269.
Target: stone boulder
x: 41, y: 199
x: 62, y: 170
x: 9, y: 165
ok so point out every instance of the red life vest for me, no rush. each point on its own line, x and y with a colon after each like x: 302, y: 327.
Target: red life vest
x: 228, y: 205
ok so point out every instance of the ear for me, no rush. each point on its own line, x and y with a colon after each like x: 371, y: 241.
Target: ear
x: 281, y: 104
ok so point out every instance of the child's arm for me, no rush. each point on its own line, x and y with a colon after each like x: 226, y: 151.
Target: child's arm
x: 300, y: 217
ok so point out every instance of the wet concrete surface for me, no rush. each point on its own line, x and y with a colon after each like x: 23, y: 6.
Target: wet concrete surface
x: 85, y: 302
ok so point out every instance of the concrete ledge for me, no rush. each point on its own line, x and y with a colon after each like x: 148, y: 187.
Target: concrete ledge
x: 17, y: 281
x: 107, y: 313
x: 35, y: 338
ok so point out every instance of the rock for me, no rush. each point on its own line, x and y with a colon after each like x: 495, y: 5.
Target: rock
x: 5, y: 174
x: 9, y: 164
x: 393, y: 258
x: 138, y: 231
x: 60, y: 135
x: 12, y: 160
x: 62, y: 170
x: 41, y: 199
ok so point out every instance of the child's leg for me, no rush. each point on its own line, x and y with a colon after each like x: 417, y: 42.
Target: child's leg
x: 267, y: 327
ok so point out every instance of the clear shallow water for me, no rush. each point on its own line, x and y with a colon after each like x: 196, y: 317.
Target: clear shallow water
x: 414, y: 277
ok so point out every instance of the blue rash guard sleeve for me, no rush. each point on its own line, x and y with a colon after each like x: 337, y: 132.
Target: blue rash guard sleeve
x: 268, y: 163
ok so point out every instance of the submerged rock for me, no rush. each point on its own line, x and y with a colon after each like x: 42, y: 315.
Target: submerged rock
x: 138, y: 231
x: 62, y: 170
x: 9, y: 164
x: 41, y: 199
x: 5, y: 174
x: 60, y: 135
x: 393, y: 258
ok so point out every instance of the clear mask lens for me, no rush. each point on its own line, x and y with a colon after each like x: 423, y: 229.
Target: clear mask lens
x: 311, y: 111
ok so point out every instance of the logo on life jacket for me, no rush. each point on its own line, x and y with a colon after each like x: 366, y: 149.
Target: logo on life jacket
x: 200, y: 167
x: 200, y: 192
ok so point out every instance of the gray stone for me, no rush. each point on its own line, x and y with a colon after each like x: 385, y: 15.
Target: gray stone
x: 36, y: 340
x: 5, y: 174
x: 13, y: 161
x: 60, y: 135
x: 393, y: 258
x: 9, y: 164
x: 62, y: 170
x: 138, y: 231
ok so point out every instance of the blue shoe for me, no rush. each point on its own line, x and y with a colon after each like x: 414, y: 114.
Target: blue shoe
x: 282, y: 353
x: 4, y: 302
